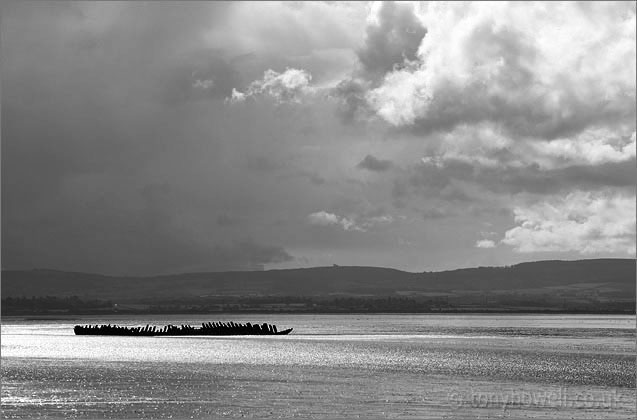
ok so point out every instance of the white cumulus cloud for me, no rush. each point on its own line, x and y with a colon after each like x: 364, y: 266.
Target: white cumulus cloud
x: 487, y: 145
x: 485, y: 243
x: 543, y: 70
x: 591, y: 147
x: 289, y: 86
x: 584, y: 222
x: 349, y: 223
x: 323, y: 218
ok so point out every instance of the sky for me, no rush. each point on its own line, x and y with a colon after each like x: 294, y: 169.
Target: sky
x: 152, y: 138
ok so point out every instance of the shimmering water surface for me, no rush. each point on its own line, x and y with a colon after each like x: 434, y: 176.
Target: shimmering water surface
x: 575, y: 366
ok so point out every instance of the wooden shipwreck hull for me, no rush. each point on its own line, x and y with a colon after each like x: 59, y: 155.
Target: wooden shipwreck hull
x: 207, y: 328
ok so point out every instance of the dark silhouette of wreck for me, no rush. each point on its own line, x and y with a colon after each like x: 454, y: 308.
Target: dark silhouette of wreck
x: 207, y: 328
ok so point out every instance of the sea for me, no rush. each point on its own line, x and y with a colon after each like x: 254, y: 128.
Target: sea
x: 330, y: 366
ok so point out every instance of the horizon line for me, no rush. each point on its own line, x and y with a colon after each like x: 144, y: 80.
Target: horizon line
x: 310, y: 268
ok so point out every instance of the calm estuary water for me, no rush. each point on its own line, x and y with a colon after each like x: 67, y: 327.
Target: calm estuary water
x: 396, y: 366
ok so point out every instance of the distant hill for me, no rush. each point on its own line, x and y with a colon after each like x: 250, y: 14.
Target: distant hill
x: 611, y: 277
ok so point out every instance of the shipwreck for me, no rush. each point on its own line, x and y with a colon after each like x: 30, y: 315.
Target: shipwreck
x: 207, y: 328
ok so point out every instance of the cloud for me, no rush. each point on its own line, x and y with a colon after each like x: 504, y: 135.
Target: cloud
x: 236, y: 96
x: 350, y: 223
x: 114, y: 122
x: 323, y: 218
x: 320, y: 37
x: 204, y: 84
x: 595, y: 146
x: 289, y: 86
x: 538, y: 70
x: 483, y: 156
x: 247, y: 255
x: 352, y: 104
x: 369, y: 222
x: 487, y: 145
x: 472, y: 176
x: 373, y: 164
x: 485, y: 243
x: 583, y: 222
x: 118, y: 99
x: 393, y: 35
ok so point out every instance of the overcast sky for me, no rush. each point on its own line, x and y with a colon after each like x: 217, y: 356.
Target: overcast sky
x: 146, y: 138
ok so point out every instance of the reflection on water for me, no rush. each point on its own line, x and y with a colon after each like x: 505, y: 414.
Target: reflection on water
x: 399, y: 365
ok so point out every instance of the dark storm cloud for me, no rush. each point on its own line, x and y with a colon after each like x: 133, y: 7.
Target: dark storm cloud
x: 392, y: 38
x: 247, y: 256
x: 374, y: 164
x: 351, y: 95
x: 103, y: 235
x: 120, y: 154
x: 96, y: 232
x: 137, y: 48
x: 424, y: 179
x: 102, y: 129
x: 520, y: 119
x: 539, y: 181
